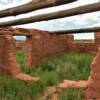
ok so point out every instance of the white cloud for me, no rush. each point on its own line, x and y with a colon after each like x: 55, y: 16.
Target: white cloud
x: 6, y: 1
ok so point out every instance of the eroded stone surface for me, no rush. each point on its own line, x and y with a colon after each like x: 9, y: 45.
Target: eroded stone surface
x: 26, y: 77
x: 93, y: 90
x: 73, y: 84
x: 8, y: 61
x: 39, y: 44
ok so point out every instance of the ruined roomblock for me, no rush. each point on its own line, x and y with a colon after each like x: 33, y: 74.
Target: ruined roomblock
x: 8, y: 61
x: 93, y: 91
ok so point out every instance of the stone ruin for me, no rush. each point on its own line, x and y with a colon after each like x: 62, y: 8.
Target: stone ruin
x: 8, y: 61
x: 38, y: 44
x: 41, y: 44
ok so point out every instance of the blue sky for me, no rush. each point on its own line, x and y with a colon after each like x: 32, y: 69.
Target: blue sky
x: 80, y: 21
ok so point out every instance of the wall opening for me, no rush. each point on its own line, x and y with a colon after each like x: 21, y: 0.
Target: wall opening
x: 84, y: 38
x: 20, y: 38
x: 23, y: 50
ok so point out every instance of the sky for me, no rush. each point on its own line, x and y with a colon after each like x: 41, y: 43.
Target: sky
x: 79, y: 21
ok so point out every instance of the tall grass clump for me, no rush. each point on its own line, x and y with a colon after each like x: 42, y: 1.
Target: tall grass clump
x: 51, y: 71
x: 71, y: 66
x: 13, y: 89
x: 20, y: 55
x: 71, y: 94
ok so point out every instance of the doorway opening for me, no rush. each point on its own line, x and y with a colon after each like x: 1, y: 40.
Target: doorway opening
x: 24, y: 51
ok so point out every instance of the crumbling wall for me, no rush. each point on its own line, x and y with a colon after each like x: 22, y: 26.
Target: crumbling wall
x: 8, y: 60
x: 97, y: 37
x: 93, y: 90
x: 2, y: 42
x: 20, y: 45
x: 40, y: 44
x: 29, y: 51
x: 46, y: 45
x: 88, y: 47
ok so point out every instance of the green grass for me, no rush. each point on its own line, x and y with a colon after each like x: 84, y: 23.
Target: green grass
x: 21, y: 57
x: 13, y: 89
x: 52, y: 71
x: 69, y: 66
x: 71, y: 94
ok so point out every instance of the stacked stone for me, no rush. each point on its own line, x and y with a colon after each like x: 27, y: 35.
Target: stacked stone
x: 1, y: 50
x: 93, y: 91
x: 97, y: 37
x: 46, y: 45
x: 8, y: 61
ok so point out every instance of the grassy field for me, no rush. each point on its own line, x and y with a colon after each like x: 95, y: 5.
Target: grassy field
x: 51, y: 71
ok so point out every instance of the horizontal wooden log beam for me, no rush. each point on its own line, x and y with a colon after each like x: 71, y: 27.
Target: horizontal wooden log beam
x: 55, y: 15
x: 31, y: 6
x: 76, y: 31
x: 62, y: 32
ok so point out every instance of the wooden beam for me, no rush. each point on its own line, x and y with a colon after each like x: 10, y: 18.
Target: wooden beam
x: 76, y: 31
x: 71, y: 31
x: 31, y: 6
x: 55, y: 15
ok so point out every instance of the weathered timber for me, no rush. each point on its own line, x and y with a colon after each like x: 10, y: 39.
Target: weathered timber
x: 76, y: 31
x: 71, y: 31
x: 55, y: 15
x: 31, y: 6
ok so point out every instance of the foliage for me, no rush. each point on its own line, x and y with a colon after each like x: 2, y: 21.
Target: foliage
x: 71, y: 66
x: 71, y: 94
x: 66, y: 66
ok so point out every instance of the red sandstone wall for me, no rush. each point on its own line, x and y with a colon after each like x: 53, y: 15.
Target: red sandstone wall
x: 93, y: 90
x: 86, y: 48
x: 46, y: 45
x: 39, y: 44
x: 42, y: 44
x: 89, y: 47
x: 8, y: 62
x: 20, y: 45
x: 2, y: 42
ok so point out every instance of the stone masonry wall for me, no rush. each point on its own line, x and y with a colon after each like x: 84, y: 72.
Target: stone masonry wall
x: 8, y: 62
x: 39, y: 44
x: 46, y: 45
x: 93, y: 90
x: 88, y: 47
